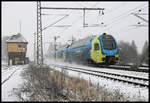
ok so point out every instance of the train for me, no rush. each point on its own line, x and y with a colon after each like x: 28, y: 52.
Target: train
x: 95, y: 49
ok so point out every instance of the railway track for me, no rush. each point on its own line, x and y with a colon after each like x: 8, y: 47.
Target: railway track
x: 8, y: 77
x: 126, y: 67
x: 146, y: 66
x: 143, y: 82
x: 11, y: 74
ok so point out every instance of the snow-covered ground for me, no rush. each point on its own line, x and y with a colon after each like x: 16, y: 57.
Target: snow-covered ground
x: 129, y: 73
x: 131, y: 92
x: 11, y: 80
x: 143, y: 68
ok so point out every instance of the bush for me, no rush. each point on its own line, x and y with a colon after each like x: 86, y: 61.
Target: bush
x: 46, y: 84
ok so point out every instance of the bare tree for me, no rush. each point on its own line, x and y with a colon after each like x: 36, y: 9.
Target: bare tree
x: 128, y: 53
x: 145, y: 53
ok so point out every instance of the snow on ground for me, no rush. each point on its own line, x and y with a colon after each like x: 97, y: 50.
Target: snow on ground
x: 13, y: 81
x: 143, y: 68
x: 131, y: 92
x: 129, y: 73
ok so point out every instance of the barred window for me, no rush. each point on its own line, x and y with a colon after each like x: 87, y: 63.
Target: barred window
x: 21, y: 47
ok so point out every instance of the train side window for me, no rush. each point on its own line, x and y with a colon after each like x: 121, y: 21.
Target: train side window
x: 96, y: 46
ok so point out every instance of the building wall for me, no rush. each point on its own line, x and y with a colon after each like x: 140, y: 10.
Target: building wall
x: 17, y: 57
x: 17, y: 53
x: 14, y: 47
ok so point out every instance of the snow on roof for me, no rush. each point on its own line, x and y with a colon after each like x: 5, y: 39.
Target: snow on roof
x: 17, y: 38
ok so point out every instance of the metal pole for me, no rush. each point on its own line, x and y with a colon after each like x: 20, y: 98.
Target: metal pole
x: 39, y: 35
x: 35, y: 59
x: 39, y: 28
x: 84, y: 18
x: 20, y: 26
x: 55, y: 46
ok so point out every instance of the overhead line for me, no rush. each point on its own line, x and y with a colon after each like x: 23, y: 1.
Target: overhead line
x: 140, y: 17
x: 116, y: 18
x: 80, y: 17
x: 55, y: 22
x: 63, y: 8
x: 123, y: 16
x: 111, y: 10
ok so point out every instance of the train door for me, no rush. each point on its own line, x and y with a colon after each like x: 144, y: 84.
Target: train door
x: 95, y: 50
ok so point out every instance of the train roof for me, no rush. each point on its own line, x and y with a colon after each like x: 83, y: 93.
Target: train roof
x: 16, y: 38
x: 108, y: 36
x: 82, y: 42
x: 63, y: 47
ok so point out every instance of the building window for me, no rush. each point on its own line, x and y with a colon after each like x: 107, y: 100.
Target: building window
x: 21, y: 47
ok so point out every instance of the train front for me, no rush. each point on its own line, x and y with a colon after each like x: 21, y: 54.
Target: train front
x: 104, y: 49
x: 109, y: 48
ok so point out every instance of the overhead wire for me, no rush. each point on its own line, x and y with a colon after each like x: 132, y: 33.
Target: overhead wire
x: 75, y: 21
x: 56, y: 21
x: 107, y: 13
x: 102, y: 24
x: 125, y: 15
x: 63, y: 18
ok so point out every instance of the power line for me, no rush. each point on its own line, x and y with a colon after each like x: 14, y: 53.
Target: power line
x: 117, y: 20
x: 54, y: 23
x: 54, y: 14
x: 81, y: 5
x: 107, y: 12
x: 115, y: 8
x: 125, y: 15
x: 140, y: 17
x: 76, y: 21
x: 80, y: 17
x: 64, y: 8
x: 67, y: 15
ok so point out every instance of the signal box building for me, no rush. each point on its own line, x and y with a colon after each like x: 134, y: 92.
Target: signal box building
x: 17, y: 48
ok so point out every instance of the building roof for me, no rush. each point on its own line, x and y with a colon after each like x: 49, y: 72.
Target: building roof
x: 17, y: 38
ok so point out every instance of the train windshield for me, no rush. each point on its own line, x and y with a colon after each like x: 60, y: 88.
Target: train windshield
x: 108, y: 42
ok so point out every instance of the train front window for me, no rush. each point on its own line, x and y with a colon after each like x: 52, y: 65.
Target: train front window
x: 96, y: 46
x: 109, y: 44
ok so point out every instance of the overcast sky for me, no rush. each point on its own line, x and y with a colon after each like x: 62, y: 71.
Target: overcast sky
x: 117, y: 19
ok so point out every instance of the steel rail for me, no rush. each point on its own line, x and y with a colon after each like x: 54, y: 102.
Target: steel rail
x: 126, y: 76
x: 8, y: 77
x: 125, y: 68
x: 121, y: 80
